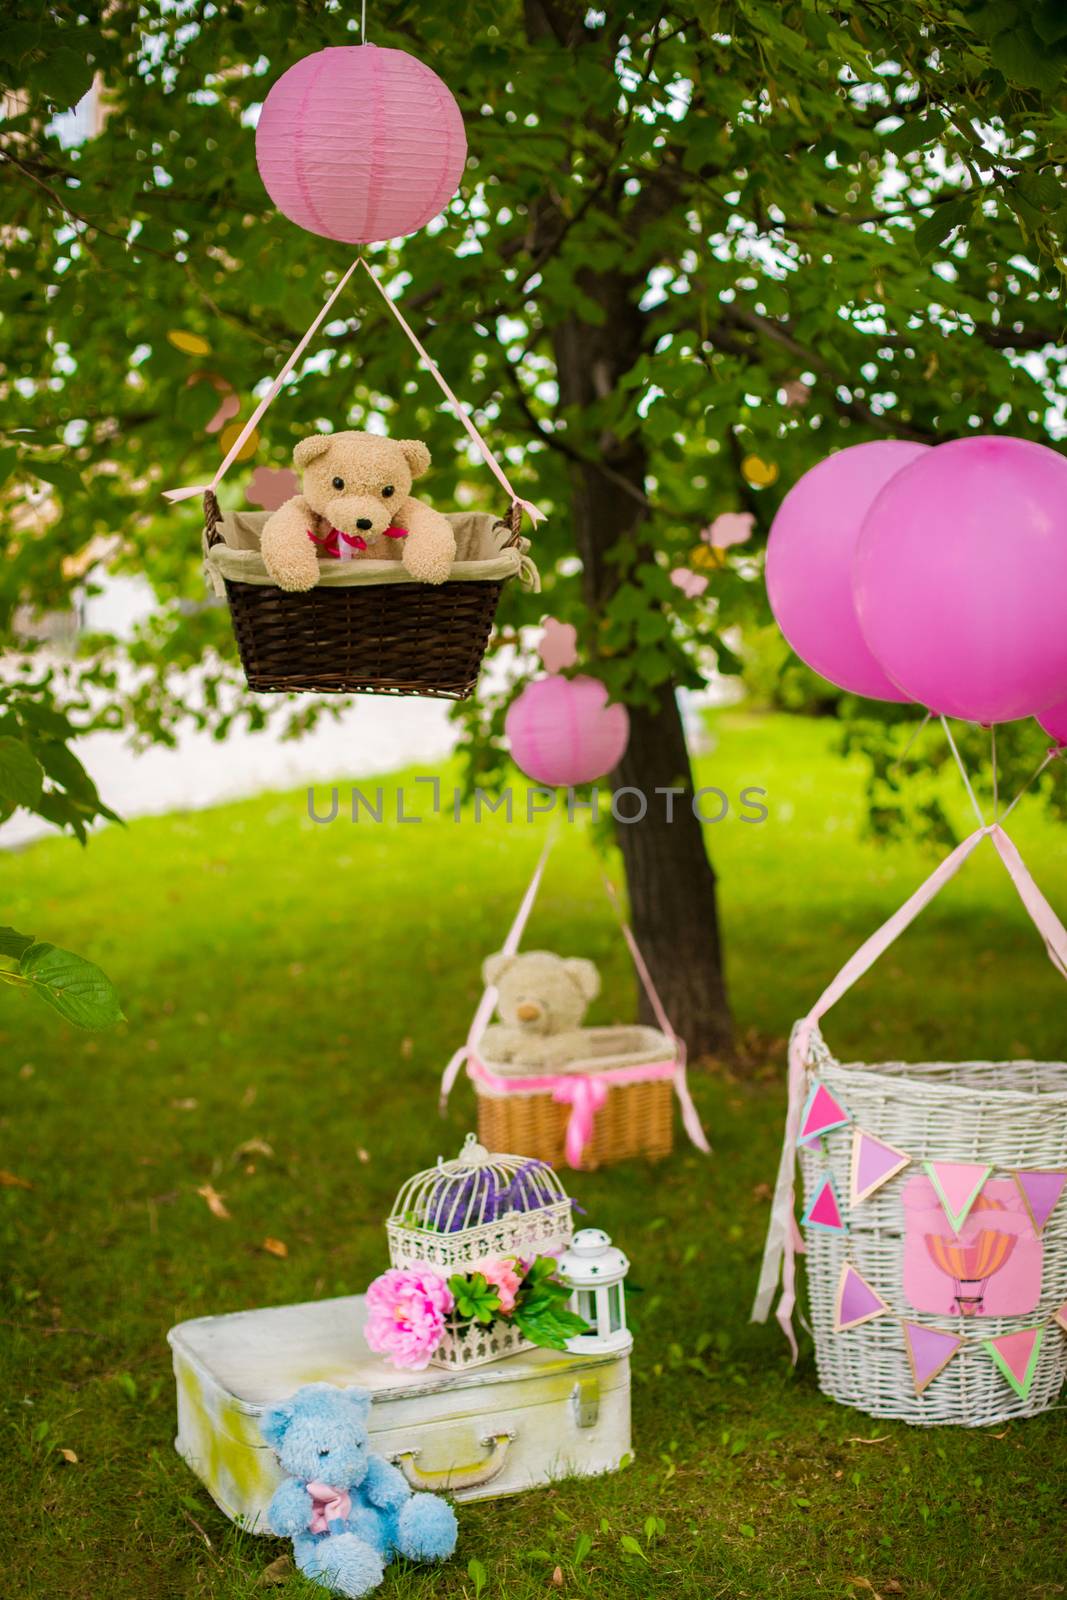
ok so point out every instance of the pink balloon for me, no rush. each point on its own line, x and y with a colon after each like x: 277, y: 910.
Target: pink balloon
x: 360, y: 143
x: 960, y: 578
x: 809, y: 562
x: 1054, y: 721
x: 563, y: 732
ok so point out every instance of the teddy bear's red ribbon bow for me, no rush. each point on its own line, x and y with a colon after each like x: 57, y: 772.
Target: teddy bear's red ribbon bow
x: 330, y: 543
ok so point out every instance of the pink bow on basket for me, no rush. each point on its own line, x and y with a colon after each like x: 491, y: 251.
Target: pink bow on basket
x: 585, y: 1096
x: 329, y: 1505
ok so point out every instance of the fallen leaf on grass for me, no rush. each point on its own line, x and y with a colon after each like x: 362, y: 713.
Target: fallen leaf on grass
x: 188, y: 1104
x: 881, y: 1439
x: 253, y: 1147
x: 362, y: 1156
x: 69, y: 1456
x: 215, y: 1203
x: 557, y: 1578
x: 10, y: 1180
x: 278, y: 1572
x: 276, y: 1247
x: 865, y: 1583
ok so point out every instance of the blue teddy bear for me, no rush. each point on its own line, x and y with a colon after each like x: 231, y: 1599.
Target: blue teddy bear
x: 347, y: 1511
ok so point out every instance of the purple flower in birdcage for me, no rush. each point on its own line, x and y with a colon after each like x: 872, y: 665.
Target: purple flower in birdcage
x: 482, y: 1196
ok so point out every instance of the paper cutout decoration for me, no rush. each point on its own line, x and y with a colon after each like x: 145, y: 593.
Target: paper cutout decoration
x: 820, y: 1115
x: 692, y: 584
x: 958, y: 1184
x: 1016, y: 1354
x: 191, y: 344
x: 271, y: 487
x: 856, y: 1302
x: 559, y: 645
x: 825, y: 1209
x: 1040, y: 1189
x: 759, y: 473
x: 1060, y: 1316
x: 729, y: 527
x: 873, y: 1163
x: 929, y: 1352
x: 989, y: 1267
x: 229, y: 436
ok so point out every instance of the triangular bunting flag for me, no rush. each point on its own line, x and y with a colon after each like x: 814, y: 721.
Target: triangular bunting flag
x: 958, y: 1184
x: 873, y: 1163
x: 929, y: 1352
x: 821, y: 1113
x: 856, y: 1301
x: 825, y: 1209
x: 1040, y: 1191
x: 1061, y: 1316
x: 1016, y: 1355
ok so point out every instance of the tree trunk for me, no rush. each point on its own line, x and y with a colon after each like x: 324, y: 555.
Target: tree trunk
x: 669, y: 877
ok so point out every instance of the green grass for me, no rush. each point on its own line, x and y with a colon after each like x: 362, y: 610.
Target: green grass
x: 302, y: 986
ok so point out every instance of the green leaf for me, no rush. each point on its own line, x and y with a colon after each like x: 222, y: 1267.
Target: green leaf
x: 65, y: 76
x: 931, y: 230
x: 13, y: 943
x: 74, y: 987
x: 57, y: 473
x: 1020, y: 56
x: 21, y: 775
x: 1049, y: 21
x: 631, y: 1546
x: 8, y: 457
x: 477, y: 1575
x: 582, y: 1546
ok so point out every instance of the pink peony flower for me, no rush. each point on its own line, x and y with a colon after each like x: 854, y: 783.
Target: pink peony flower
x: 406, y: 1311
x: 505, y: 1279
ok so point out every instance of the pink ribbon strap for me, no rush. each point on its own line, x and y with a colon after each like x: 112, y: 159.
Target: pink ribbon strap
x: 781, y: 1248
x: 458, y: 410
x: 585, y: 1096
x: 175, y: 495
x: 490, y: 994
x: 329, y: 1505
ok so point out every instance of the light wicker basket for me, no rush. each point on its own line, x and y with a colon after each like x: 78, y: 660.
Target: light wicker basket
x: 1005, y: 1119
x: 636, y: 1118
x: 1008, y: 1114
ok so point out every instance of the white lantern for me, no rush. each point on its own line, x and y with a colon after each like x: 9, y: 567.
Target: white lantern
x: 594, y: 1270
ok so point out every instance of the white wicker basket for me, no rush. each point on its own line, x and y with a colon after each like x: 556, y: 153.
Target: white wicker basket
x: 477, y: 1208
x: 1009, y: 1114
x: 1008, y: 1117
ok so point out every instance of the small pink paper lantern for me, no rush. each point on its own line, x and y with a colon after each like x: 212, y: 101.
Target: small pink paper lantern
x: 360, y: 143
x: 564, y: 733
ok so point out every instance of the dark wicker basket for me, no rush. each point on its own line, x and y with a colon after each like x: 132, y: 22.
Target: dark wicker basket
x: 389, y: 638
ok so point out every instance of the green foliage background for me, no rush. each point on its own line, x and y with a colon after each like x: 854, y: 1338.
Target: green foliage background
x: 841, y: 221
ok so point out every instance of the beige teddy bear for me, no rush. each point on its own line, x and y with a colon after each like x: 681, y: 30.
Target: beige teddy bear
x: 541, y: 1000
x: 356, y: 502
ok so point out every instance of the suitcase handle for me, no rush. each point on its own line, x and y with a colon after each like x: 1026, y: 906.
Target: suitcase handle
x: 456, y: 1477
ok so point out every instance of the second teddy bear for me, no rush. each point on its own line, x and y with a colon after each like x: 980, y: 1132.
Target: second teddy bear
x: 356, y: 502
x: 542, y: 1001
x: 347, y: 1511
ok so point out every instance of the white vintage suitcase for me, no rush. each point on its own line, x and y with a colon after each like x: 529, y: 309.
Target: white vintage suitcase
x: 510, y: 1425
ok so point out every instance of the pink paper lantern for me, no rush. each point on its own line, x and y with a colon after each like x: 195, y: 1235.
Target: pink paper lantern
x: 360, y: 143
x: 564, y: 733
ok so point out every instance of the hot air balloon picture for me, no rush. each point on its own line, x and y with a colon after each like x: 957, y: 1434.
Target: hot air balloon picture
x: 969, y: 1267
x: 989, y: 1267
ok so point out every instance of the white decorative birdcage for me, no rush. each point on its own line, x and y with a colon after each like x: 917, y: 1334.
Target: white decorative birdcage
x: 457, y: 1216
x: 477, y: 1208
